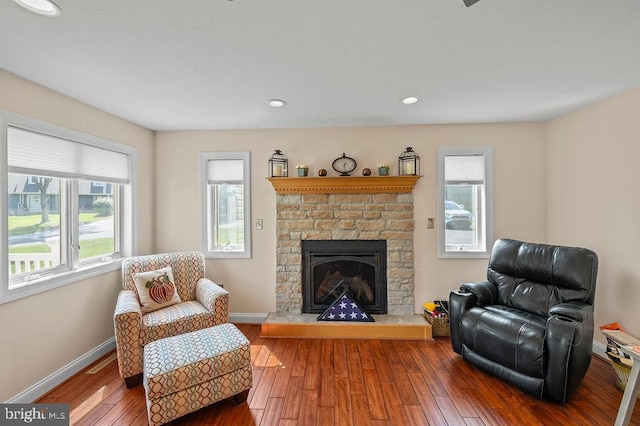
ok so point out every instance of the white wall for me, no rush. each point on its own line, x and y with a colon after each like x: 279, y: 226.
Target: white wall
x: 47, y: 331
x: 519, y: 176
x: 594, y: 199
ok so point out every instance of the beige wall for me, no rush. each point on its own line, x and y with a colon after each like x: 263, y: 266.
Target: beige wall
x: 594, y: 199
x: 519, y: 176
x: 45, y: 332
x: 49, y: 330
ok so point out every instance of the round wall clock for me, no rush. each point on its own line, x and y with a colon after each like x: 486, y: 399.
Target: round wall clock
x: 344, y: 165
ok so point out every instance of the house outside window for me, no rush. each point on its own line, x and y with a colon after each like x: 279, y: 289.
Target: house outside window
x: 57, y: 229
x: 465, y: 194
x: 226, y: 222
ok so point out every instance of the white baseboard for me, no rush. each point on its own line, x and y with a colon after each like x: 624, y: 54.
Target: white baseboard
x: 600, y: 350
x: 45, y: 385
x: 247, y: 318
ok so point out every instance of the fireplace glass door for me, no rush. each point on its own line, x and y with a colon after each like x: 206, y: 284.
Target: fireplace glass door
x: 333, y: 266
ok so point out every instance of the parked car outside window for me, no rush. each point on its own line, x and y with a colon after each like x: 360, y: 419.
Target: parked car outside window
x: 456, y: 217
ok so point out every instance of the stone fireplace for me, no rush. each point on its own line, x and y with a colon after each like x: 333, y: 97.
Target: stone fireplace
x: 345, y: 208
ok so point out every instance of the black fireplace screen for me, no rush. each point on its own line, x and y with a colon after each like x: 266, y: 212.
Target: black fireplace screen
x: 331, y: 266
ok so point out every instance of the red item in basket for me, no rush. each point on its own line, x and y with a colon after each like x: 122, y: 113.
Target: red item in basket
x: 612, y: 326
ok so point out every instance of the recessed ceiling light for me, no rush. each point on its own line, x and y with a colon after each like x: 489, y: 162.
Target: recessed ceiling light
x: 43, y: 7
x: 277, y: 103
x: 410, y: 100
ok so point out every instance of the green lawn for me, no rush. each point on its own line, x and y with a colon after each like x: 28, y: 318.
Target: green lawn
x: 30, y: 248
x: 28, y: 224
x: 96, y: 247
x: 234, y: 235
x: 88, y: 248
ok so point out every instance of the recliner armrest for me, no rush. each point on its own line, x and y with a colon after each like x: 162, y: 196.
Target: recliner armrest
x: 569, y: 337
x: 485, y: 292
x: 459, y: 303
x: 575, y: 311
x: 214, y: 298
x: 127, y: 324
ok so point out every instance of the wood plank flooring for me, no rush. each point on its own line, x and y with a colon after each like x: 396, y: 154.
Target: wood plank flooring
x: 353, y: 382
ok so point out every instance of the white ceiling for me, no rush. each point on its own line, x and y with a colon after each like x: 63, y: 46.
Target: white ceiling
x: 213, y: 64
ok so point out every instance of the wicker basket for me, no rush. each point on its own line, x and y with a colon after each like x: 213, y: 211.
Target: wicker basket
x: 439, y: 326
x: 622, y: 367
x: 620, y: 362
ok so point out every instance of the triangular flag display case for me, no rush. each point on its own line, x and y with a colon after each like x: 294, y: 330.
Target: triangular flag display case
x: 345, y: 308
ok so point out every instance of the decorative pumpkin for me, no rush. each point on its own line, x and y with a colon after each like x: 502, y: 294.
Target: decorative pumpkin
x: 161, y: 289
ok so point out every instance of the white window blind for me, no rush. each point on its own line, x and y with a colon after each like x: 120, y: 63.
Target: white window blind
x: 464, y: 168
x: 34, y: 153
x: 225, y: 171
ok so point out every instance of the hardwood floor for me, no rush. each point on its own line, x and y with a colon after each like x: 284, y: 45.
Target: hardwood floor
x: 353, y: 382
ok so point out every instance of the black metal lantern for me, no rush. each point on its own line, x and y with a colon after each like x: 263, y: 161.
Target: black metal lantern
x: 278, y: 165
x: 409, y: 162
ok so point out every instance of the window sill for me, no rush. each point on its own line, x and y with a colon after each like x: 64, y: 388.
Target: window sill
x: 227, y: 255
x: 61, y: 279
x: 464, y: 255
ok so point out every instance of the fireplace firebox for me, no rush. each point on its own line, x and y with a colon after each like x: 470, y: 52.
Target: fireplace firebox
x: 330, y: 267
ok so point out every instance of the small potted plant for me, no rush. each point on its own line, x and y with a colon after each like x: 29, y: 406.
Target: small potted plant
x: 303, y: 169
x: 383, y: 169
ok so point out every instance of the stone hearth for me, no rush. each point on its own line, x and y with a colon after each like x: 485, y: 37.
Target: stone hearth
x: 403, y: 327
x: 345, y: 216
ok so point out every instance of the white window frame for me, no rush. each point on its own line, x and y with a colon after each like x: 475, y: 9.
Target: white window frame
x: 245, y: 156
x: 76, y: 271
x: 487, y: 153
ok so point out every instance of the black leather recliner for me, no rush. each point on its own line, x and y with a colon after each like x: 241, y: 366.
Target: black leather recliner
x: 531, y: 323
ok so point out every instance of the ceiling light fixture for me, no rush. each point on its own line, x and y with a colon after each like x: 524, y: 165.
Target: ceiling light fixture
x: 410, y: 100
x: 277, y: 103
x: 42, y: 7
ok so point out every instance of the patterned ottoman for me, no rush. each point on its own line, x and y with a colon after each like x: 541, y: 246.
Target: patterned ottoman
x: 187, y: 372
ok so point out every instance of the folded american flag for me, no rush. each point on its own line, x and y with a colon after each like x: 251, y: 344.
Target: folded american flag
x: 345, y: 308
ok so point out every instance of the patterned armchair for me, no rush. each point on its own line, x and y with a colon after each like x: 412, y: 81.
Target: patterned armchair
x: 203, y: 304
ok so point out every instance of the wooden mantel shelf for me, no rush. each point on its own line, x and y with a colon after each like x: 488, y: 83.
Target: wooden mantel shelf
x: 343, y: 184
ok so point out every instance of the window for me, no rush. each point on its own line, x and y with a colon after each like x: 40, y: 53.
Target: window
x: 226, y: 222
x: 58, y: 228
x: 464, y: 202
